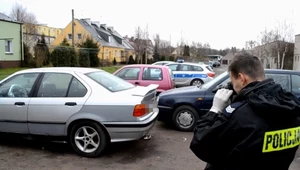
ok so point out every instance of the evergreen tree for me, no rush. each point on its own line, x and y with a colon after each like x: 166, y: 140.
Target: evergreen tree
x: 41, y: 52
x: 84, y: 59
x: 93, y: 49
x: 114, y: 61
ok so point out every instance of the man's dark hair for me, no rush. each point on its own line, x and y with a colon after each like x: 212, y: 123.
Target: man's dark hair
x: 247, y: 64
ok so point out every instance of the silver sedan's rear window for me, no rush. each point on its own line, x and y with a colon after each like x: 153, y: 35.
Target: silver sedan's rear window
x: 109, y: 81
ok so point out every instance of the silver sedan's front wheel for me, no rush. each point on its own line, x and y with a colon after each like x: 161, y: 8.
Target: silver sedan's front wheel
x: 88, y: 139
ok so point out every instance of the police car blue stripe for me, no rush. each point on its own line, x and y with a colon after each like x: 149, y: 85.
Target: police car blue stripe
x: 190, y: 76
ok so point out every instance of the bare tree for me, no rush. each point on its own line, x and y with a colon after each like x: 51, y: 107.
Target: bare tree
x: 276, y: 41
x: 140, y: 43
x: 20, y: 13
x: 164, y: 47
x: 156, y: 39
x: 147, y: 49
x: 181, y: 44
x: 250, y: 44
x: 194, y: 49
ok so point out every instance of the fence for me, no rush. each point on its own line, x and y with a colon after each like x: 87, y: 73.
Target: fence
x: 60, y: 56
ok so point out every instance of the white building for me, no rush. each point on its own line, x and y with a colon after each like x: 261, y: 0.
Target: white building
x: 296, y: 63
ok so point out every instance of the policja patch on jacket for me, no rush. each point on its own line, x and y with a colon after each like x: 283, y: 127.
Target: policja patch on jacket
x: 281, y: 139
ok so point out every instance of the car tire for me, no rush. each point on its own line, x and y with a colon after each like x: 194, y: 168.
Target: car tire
x: 89, y: 135
x: 199, y: 81
x: 185, y: 118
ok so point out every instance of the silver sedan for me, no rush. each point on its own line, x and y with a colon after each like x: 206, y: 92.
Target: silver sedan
x: 88, y: 106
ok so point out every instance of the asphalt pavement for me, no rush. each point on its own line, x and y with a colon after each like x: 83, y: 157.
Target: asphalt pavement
x: 168, y: 149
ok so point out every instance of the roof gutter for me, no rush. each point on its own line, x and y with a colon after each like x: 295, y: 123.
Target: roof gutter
x: 16, y: 22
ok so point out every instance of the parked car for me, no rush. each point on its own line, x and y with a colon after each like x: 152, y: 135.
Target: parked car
x: 163, y: 62
x: 144, y: 75
x: 180, y: 60
x: 215, y: 63
x: 87, y: 107
x: 190, y: 74
x: 210, y: 68
x: 183, y: 106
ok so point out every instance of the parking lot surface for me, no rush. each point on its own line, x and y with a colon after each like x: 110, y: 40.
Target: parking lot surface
x: 168, y: 149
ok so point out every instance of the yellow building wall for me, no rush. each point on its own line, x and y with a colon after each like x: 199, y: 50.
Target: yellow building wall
x: 78, y: 29
x: 109, y: 52
x: 49, y: 31
x: 54, y: 32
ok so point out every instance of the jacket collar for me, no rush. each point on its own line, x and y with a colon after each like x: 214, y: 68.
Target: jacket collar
x: 253, y: 86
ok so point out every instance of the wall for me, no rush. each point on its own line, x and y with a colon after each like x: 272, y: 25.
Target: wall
x: 48, y: 31
x: 296, y: 64
x: 267, y: 54
x: 109, y: 52
x: 13, y: 31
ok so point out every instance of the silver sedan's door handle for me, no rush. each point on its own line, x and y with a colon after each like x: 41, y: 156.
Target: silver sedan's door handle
x: 70, y: 103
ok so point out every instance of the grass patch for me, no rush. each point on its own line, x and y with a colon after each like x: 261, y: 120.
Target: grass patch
x: 8, y: 71
x: 110, y: 69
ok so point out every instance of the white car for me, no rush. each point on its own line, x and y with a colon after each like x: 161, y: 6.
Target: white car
x: 190, y: 74
x: 207, y: 66
x: 163, y: 62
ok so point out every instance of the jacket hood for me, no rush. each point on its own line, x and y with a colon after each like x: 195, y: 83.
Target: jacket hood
x: 268, y: 99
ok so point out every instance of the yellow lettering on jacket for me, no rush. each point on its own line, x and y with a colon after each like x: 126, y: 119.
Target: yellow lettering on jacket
x: 281, y: 139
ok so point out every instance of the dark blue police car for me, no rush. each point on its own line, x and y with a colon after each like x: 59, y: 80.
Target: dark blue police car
x: 182, y: 107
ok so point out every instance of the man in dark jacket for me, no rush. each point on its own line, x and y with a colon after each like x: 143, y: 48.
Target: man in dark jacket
x: 260, y: 129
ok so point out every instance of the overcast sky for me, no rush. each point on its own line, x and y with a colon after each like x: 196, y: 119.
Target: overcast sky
x: 221, y: 23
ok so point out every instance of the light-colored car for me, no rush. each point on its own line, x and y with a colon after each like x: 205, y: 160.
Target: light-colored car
x: 207, y: 66
x: 163, y: 62
x: 190, y: 74
x: 88, y: 106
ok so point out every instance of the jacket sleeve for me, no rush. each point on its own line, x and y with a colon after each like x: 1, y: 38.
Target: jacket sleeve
x: 215, y: 137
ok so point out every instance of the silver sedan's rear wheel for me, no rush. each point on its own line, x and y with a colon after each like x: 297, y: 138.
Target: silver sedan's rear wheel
x: 88, y: 139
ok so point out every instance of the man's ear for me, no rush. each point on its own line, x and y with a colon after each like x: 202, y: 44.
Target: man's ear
x: 242, y: 78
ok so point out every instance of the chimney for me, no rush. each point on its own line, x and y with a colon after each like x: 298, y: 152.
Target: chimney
x: 104, y: 26
x: 111, y: 28
x: 97, y: 23
x: 88, y: 20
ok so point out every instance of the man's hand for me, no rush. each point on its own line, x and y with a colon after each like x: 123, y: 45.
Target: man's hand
x: 221, y: 100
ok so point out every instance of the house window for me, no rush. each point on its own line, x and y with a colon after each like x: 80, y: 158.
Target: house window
x: 116, y: 53
x: 8, y: 46
x: 79, y: 36
x: 70, y: 36
x: 109, y: 38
